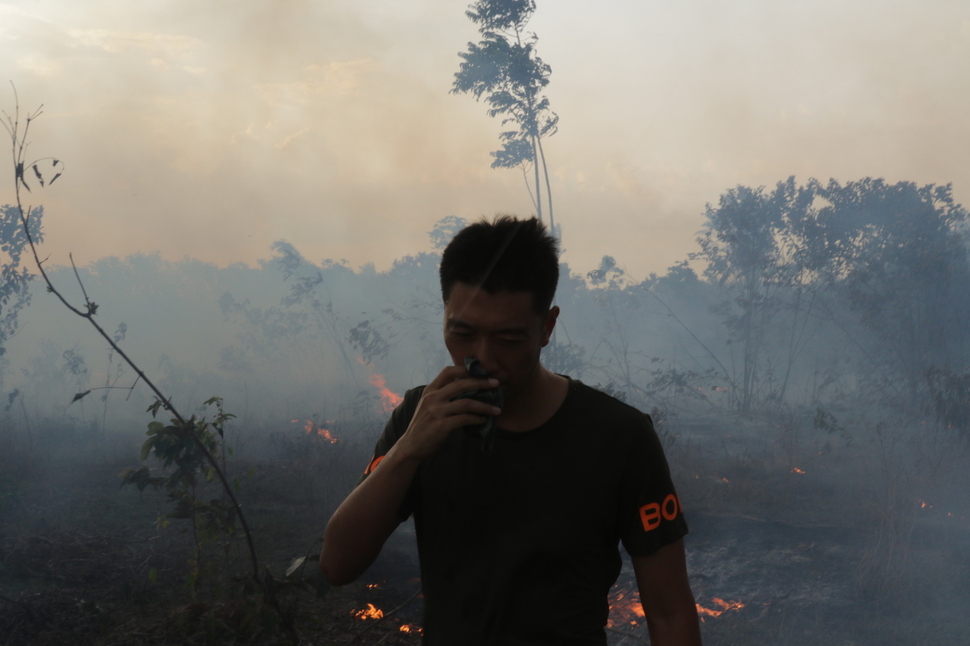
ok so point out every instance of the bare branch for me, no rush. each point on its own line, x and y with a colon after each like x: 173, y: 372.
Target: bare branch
x: 87, y: 300
x: 19, y: 146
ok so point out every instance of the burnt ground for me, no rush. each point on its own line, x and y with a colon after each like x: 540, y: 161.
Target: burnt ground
x: 796, y: 538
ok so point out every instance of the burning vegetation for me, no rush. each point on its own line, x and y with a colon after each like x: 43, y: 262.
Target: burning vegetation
x: 311, y: 428
x: 721, y: 606
x: 389, y: 399
x: 370, y: 612
x: 826, y: 329
x: 625, y: 608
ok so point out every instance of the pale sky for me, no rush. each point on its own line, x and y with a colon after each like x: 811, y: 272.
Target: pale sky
x: 211, y: 129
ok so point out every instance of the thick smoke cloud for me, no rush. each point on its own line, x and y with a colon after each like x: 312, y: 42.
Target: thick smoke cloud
x: 210, y: 132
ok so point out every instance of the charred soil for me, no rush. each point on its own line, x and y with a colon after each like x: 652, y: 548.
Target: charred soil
x: 795, y: 539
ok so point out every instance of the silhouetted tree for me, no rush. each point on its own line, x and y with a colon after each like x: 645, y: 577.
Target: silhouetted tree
x: 505, y: 68
x: 744, y: 249
x: 896, y: 255
x: 882, y: 266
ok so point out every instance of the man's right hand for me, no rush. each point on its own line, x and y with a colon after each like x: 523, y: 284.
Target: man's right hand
x: 357, y: 530
x: 439, y: 413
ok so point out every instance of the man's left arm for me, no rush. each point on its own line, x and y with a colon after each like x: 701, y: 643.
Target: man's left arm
x: 665, y: 594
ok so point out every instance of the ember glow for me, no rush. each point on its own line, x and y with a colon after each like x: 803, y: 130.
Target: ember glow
x: 410, y: 628
x: 797, y: 470
x: 389, y: 399
x: 370, y: 612
x: 625, y: 608
x: 722, y: 607
x: 311, y: 428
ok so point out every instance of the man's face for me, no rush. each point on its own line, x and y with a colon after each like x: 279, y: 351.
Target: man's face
x: 501, y: 330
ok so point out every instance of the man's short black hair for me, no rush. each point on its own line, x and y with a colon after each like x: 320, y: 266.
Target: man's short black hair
x: 506, y: 254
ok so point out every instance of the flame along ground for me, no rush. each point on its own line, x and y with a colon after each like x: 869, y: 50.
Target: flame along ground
x: 370, y: 612
x: 389, y: 401
x: 311, y: 428
x: 625, y: 608
x: 724, y: 606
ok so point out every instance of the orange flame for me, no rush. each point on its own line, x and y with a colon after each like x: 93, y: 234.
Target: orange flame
x: 370, y: 612
x: 624, y: 608
x: 410, y: 628
x: 311, y: 427
x: 724, y: 606
x: 389, y: 398
x: 797, y: 470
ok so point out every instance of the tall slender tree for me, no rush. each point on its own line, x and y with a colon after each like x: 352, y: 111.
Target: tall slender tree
x: 505, y: 68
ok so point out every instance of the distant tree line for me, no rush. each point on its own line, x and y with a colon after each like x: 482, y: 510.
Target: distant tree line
x: 878, y: 270
x: 815, y: 295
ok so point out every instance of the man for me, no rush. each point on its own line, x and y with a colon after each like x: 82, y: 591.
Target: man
x: 517, y: 533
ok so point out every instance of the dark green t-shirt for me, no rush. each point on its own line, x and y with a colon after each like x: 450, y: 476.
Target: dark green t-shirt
x: 520, y: 545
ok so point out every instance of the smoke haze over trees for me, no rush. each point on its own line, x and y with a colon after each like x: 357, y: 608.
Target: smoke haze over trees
x: 816, y: 328
x: 14, y: 276
x: 804, y: 354
x: 808, y: 295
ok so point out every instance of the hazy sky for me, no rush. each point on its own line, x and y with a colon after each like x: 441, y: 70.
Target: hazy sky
x: 211, y: 129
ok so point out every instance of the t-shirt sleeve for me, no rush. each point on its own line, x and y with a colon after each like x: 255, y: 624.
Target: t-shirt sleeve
x: 393, y: 430
x: 650, y: 513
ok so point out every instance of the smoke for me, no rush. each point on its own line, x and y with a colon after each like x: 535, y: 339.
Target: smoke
x: 308, y: 355
x: 194, y: 137
x: 212, y: 132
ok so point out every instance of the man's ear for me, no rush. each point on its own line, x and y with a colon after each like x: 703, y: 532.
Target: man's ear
x: 549, y: 324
